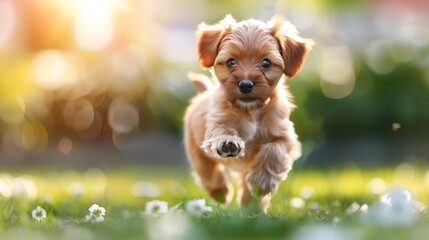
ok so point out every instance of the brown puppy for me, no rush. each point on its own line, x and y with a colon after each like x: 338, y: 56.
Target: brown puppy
x: 240, y: 120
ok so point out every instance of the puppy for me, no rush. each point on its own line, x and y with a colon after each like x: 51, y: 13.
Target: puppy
x: 240, y: 118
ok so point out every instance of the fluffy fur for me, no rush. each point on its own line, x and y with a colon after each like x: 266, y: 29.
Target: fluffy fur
x: 250, y: 134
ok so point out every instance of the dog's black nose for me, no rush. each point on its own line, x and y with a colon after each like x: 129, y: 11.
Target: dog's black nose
x: 245, y: 86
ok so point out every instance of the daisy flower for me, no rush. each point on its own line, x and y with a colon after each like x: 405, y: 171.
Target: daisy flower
x: 396, y: 208
x: 96, y: 214
x: 38, y: 214
x: 156, y: 208
x: 364, y: 208
x: 197, y: 207
x: 297, y: 202
x: 354, y: 207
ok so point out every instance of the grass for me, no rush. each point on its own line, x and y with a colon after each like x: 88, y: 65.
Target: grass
x: 66, y: 195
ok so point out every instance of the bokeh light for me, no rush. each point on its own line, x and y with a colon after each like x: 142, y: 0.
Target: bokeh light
x: 24, y: 187
x: 53, y: 70
x: 338, y: 77
x: 5, y: 190
x: 376, y: 186
x: 78, y: 114
x: 123, y: 117
x: 93, y: 28
x: 7, y: 20
x: 65, y: 145
x: 145, y: 189
x: 378, y: 58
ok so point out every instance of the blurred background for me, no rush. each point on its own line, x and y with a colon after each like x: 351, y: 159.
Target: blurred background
x: 103, y: 82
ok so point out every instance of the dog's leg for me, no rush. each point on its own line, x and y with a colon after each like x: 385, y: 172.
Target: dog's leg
x: 210, y: 175
x: 246, y: 198
x: 274, y: 162
x: 243, y: 194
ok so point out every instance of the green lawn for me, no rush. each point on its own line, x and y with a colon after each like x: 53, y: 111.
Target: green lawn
x: 327, y: 195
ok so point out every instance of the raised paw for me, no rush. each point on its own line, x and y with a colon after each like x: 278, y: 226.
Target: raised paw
x: 229, y: 149
x: 225, y: 146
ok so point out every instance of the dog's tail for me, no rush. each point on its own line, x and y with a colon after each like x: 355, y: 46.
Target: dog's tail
x: 201, y: 82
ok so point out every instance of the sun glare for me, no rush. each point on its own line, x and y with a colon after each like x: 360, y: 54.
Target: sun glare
x: 93, y: 27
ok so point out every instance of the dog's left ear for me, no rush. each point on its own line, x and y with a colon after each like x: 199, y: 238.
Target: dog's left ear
x: 293, y: 48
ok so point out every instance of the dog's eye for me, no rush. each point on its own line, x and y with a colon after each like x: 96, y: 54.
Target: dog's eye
x: 266, y: 64
x: 231, y: 63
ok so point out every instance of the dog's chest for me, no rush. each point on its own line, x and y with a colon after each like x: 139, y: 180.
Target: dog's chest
x: 248, y: 127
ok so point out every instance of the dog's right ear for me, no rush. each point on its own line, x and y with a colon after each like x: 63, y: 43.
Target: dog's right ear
x: 209, y: 37
x: 293, y: 48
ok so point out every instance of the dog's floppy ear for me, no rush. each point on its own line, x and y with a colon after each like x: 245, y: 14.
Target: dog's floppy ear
x: 209, y: 37
x: 293, y: 48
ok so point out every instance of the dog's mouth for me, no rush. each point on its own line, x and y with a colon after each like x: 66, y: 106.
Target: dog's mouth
x: 247, y: 100
x: 247, y: 103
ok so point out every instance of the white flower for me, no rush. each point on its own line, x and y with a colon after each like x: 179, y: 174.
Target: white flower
x: 354, y: 207
x: 38, y: 214
x: 97, y: 210
x: 197, y: 207
x: 92, y: 218
x: 297, y: 202
x: 396, y: 196
x: 364, y: 208
x: 155, y: 208
x: 396, y: 208
x: 96, y: 214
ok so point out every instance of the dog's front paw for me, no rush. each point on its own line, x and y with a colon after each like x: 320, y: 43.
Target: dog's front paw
x: 224, y: 146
